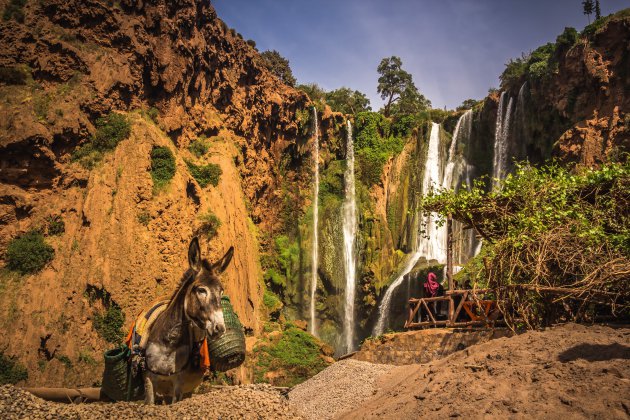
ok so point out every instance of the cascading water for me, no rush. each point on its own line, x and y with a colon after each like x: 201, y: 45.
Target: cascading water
x: 349, y: 238
x: 433, y: 243
x: 457, y: 167
x: 501, y: 138
x: 315, y: 247
x: 432, y: 248
x: 456, y: 172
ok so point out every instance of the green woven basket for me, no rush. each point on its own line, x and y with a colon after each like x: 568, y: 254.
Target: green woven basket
x: 115, y: 373
x: 117, y: 384
x: 228, y: 351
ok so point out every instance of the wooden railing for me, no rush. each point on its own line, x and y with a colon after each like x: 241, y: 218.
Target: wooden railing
x: 480, y: 312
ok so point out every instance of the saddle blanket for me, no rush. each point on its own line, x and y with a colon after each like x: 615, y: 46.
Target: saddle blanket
x: 138, y: 334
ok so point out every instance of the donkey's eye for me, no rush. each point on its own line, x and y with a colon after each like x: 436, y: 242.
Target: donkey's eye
x: 202, y: 291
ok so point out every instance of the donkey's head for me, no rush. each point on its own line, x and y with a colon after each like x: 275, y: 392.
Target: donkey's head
x: 203, y: 299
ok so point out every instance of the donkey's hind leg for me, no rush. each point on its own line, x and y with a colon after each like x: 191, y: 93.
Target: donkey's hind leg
x: 177, y: 389
x: 149, y: 396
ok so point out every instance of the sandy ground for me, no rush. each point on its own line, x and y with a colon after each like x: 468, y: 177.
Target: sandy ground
x: 570, y: 371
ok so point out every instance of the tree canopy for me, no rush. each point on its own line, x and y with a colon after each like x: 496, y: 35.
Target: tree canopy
x: 279, y: 66
x: 347, y: 101
x: 396, y: 85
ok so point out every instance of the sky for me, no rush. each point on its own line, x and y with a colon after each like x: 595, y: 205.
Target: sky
x: 454, y: 49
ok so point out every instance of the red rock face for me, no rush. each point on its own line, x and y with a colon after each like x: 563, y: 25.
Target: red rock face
x: 85, y: 59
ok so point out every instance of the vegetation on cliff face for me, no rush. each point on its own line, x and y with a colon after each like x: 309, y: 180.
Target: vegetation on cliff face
x: 288, y: 358
x: 162, y: 166
x: 29, y: 253
x: 110, y: 130
x: 555, y: 241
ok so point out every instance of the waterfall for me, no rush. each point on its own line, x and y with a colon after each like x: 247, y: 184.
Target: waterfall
x: 455, y: 166
x: 433, y: 242
x: 315, y: 247
x: 349, y: 237
x: 458, y: 170
x: 501, y: 140
x: 432, y: 248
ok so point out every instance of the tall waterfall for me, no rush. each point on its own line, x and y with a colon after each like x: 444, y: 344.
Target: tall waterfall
x: 432, y: 248
x: 458, y: 171
x: 501, y: 139
x: 457, y: 166
x: 433, y: 242
x: 349, y: 238
x: 315, y: 247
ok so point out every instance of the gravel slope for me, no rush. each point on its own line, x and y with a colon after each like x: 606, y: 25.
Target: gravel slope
x: 240, y: 402
x: 338, y: 388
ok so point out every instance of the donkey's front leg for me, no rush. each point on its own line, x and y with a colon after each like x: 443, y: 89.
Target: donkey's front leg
x: 177, y: 388
x: 149, y: 396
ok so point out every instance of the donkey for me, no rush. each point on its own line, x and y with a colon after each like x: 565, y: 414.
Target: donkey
x: 193, y: 313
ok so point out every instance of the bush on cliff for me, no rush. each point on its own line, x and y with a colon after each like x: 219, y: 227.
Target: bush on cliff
x: 11, y: 371
x: 205, y: 174
x: 293, y: 358
x: 108, y: 324
x: 210, y: 224
x: 162, y: 166
x: 29, y: 253
x: 110, y: 130
x: 374, y: 144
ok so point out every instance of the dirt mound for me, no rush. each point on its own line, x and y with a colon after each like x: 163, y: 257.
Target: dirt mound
x: 239, y: 402
x: 341, y: 387
x: 563, y: 372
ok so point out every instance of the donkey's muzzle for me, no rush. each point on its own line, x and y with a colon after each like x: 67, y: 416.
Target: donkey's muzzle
x: 216, y: 326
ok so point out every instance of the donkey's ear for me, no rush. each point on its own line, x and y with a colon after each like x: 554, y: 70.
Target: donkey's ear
x: 223, y: 263
x: 194, y: 255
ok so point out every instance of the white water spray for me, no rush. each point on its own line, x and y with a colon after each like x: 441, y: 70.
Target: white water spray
x: 431, y: 248
x: 315, y: 247
x: 349, y: 238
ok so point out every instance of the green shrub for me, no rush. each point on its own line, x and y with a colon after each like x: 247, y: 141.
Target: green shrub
x: 65, y: 360
x: 210, y: 224
x: 86, y: 357
x: 375, y: 143
x: 11, y: 371
x: 108, y: 324
x: 55, y: 225
x: 296, y: 354
x: 162, y: 166
x: 205, y: 174
x: 29, y: 253
x: 199, y: 147
x: 153, y: 113
x: 144, y: 218
x: 14, y: 75
x: 274, y: 278
x: 271, y: 301
x: 567, y: 39
x: 14, y: 10
x: 110, y: 131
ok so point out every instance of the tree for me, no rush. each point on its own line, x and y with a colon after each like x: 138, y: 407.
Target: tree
x: 314, y: 92
x: 393, y: 81
x: 467, y: 104
x: 588, y: 7
x: 598, y: 11
x: 347, y: 101
x: 411, y: 102
x: 279, y: 66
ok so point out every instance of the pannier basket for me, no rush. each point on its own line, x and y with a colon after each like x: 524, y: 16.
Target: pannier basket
x: 228, y: 351
x: 118, y: 384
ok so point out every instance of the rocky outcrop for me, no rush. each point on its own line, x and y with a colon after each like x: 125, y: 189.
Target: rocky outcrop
x: 71, y: 62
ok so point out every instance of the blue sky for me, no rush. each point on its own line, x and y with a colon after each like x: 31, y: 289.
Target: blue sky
x: 455, y: 49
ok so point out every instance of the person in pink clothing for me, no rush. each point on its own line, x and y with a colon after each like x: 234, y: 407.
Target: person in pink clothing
x: 432, y: 288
